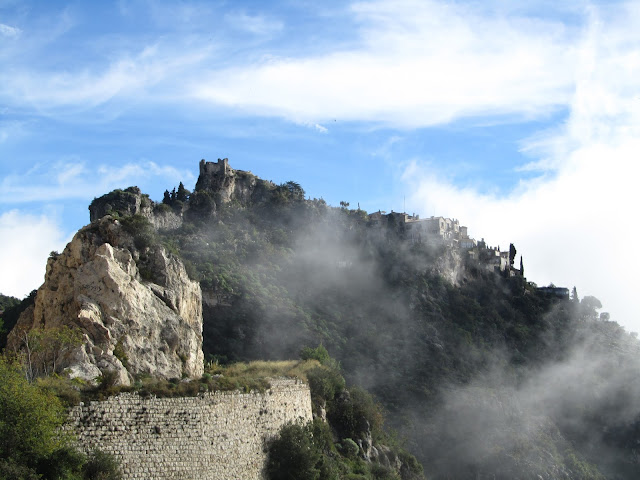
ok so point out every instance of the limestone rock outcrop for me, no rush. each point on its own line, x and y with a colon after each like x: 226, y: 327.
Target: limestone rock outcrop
x: 129, y: 324
x: 131, y: 201
x: 450, y: 266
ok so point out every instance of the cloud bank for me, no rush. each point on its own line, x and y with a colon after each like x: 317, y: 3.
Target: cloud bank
x: 27, y: 241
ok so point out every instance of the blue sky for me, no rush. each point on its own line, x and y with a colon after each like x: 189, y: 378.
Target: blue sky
x: 521, y: 121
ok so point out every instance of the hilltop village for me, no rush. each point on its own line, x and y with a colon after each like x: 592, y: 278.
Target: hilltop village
x: 231, y: 185
x: 448, y: 232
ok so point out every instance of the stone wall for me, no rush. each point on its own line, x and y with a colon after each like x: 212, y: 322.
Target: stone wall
x: 218, y: 436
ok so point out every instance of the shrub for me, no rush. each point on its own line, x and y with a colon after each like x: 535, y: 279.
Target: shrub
x: 319, y: 353
x: 293, y: 455
x: 325, y: 383
x: 355, y: 413
x: 119, y: 353
x: 9, y: 469
x: 140, y: 228
x: 102, y: 466
x: 63, y: 463
x: 322, y: 437
x: 380, y: 472
x: 411, y: 468
x: 67, y: 390
x: 350, y: 448
x: 29, y: 418
x: 162, y: 208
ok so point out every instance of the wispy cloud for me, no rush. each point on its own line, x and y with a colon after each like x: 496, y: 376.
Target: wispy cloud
x: 9, y: 31
x: 411, y: 64
x: 132, y: 77
x: 417, y: 64
x: 255, y: 24
x: 76, y: 180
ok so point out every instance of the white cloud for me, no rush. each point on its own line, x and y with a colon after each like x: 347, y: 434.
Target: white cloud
x: 129, y: 76
x: 418, y: 64
x: 75, y: 179
x: 576, y: 224
x: 25, y: 243
x: 9, y: 31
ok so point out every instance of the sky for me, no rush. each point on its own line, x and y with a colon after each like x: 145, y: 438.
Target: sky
x: 520, y: 119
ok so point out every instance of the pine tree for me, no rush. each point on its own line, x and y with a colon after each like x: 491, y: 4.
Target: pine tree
x: 512, y: 254
x: 167, y: 198
x: 182, y: 193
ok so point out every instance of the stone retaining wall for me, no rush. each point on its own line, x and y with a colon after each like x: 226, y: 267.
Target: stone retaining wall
x: 217, y: 436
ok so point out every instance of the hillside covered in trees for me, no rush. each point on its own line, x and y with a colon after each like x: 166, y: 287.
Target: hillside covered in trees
x: 481, y: 374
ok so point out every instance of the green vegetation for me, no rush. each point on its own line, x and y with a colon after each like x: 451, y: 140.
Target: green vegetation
x: 328, y: 450
x: 140, y: 228
x: 12, y: 309
x: 244, y: 377
x: 31, y: 443
x: 42, y: 349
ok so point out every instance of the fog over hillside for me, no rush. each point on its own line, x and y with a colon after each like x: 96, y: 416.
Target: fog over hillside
x: 481, y: 371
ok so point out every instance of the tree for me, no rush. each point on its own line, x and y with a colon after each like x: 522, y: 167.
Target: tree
x: 319, y: 353
x: 574, y: 295
x: 29, y: 418
x: 521, y: 267
x: 344, y: 204
x: 41, y: 350
x: 512, y: 254
x: 293, y: 455
x: 588, y: 306
x: 167, y: 198
x: 295, y: 190
x: 182, y: 194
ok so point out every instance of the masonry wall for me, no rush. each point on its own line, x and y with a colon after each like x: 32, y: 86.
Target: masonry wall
x: 217, y: 436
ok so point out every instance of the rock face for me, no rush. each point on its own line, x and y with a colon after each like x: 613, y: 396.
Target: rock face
x: 450, y: 266
x: 225, y: 184
x: 130, y: 325
x: 130, y: 201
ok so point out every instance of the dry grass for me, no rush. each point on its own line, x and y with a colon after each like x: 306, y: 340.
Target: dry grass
x: 244, y: 377
x: 263, y: 369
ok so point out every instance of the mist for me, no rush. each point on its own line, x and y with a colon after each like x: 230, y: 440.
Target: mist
x: 481, y: 374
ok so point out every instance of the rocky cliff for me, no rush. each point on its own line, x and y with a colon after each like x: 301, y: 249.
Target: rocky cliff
x: 131, y: 201
x: 134, y: 306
